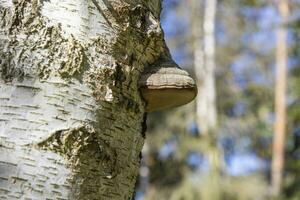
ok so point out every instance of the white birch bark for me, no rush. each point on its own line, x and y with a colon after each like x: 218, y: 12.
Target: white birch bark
x: 204, y: 52
x: 204, y: 63
x: 71, y: 116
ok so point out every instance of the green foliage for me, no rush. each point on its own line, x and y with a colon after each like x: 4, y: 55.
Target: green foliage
x: 165, y: 173
x: 252, y: 3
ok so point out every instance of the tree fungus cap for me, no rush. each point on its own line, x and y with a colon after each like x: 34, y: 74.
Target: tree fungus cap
x: 165, y: 85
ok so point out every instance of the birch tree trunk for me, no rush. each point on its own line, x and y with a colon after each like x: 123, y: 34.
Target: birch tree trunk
x: 280, y: 100
x: 204, y: 62
x: 71, y: 115
x: 204, y: 58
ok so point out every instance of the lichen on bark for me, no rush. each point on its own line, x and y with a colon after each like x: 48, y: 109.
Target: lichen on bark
x: 93, y: 160
x: 74, y: 65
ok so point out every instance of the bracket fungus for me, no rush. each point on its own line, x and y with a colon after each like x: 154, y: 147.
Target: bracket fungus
x: 165, y: 85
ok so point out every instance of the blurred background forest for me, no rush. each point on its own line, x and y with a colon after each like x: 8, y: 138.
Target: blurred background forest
x: 240, y: 139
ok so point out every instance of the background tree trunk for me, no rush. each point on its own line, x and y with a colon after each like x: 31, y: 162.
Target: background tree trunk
x: 280, y: 100
x: 204, y: 63
x: 71, y: 116
x: 204, y: 58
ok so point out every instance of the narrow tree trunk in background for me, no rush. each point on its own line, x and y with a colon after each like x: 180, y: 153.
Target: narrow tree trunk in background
x: 280, y: 101
x: 204, y: 55
x: 71, y: 115
x: 204, y: 63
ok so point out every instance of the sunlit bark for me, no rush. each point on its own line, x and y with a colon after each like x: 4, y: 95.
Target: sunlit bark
x: 204, y: 62
x: 71, y: 115
x: 280, y: 100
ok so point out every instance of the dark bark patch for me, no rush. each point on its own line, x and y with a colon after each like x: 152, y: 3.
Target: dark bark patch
x: 21, y: 17
x: 93, y: 161
x: 75, y: 62
x: 80, y: 144
x: 144, y: 126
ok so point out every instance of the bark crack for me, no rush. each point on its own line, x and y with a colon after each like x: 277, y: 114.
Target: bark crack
x: 102, y: 12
